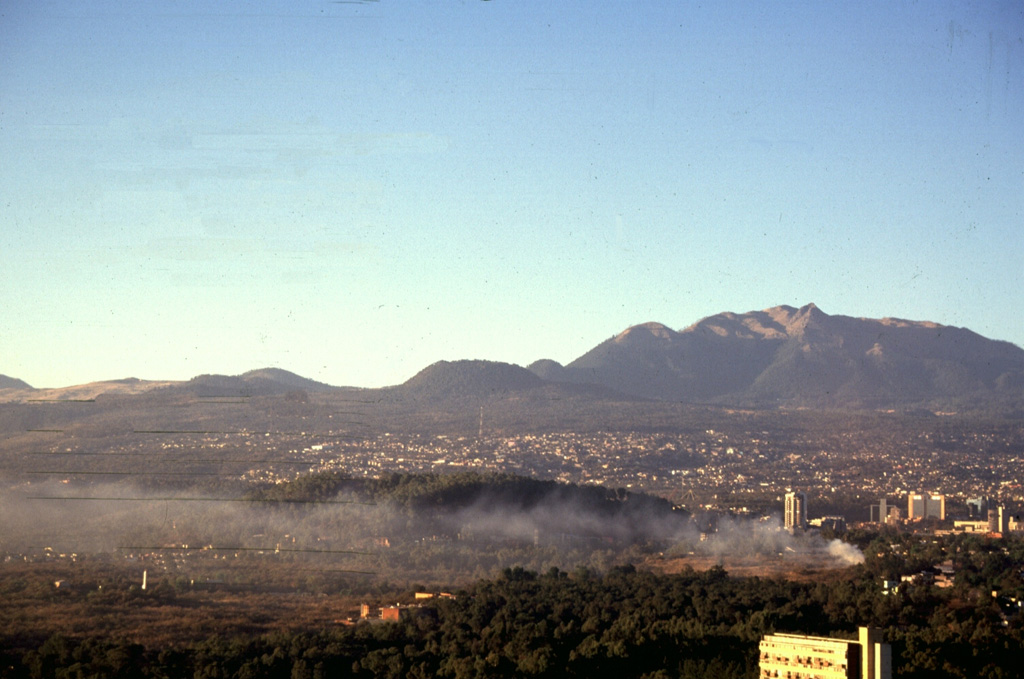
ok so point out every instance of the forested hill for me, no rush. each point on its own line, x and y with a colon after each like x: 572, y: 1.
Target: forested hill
x: 624, y: 623
x: 509, y: 503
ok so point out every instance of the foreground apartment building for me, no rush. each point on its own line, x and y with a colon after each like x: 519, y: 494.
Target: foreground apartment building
x: 794, y: 656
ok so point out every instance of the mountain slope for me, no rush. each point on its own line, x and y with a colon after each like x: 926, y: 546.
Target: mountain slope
x: 805, y: 357
x: 13, y: 383
x: 262, y: 382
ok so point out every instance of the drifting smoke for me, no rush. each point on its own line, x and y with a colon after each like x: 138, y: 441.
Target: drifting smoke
x: 109, y: 517
x: 557, y: 520
x: 566, y: 526
x: 750, y: 537
x: 845, y: 553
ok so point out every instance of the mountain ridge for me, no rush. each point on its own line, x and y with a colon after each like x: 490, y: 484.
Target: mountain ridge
x: 782, y: 356
x: 258, y: 382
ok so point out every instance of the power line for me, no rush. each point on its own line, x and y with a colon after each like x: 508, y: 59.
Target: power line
x: 275, y: 549
x: 198, y: 499
x: 312, y: 435
x: 71, y: 472
x: 149, y: 458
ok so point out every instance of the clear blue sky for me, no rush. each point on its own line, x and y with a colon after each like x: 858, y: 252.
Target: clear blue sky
x: 352, y: 191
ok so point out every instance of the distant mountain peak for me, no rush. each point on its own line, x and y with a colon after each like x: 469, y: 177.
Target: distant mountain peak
x: 278, y: 374
x: 804, y: 357
x: 786, y: 320
x: 785, y: 313
x: 646, y: 332
x: 775, y: 323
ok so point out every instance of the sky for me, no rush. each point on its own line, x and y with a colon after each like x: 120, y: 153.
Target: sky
x: 355, y: 190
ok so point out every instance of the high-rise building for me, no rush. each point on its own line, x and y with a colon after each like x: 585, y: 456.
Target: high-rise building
x: 926, y: 506
x: 880, y: 512
x: 796, y: 511
x: 997, y: 520
x: 801, y: 657
x: 885, y: 512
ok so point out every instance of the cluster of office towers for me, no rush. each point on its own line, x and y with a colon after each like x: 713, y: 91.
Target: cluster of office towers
x: 919, y: 506
x: 983, y: 513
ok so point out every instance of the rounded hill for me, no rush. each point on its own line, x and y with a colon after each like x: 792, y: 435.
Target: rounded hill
x: 262, y: 382
x: 454, y: 379
x: 547, y: 369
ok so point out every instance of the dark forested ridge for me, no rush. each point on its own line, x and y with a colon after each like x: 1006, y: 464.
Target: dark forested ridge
x: 419, y: 493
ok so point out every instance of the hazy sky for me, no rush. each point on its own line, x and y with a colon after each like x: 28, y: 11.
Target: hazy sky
x: 352, y: 191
